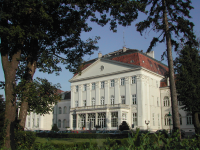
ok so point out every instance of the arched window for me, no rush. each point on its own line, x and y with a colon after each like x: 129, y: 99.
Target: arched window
x: 102, y: 100
x: 60, y: 110
x: 166, y: 120
x: 59, y: 123
x: 166, y: 101
x: 65, y: 109
x: 64, y: 123
x: 180, y: 119
x: 189, y: 119
x: 93, y: 101
x: 112, y: 100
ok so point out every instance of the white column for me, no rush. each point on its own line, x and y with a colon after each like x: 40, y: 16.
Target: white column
x: 108, y: 120
x: 97, y: 90
x: 106, y: 92
x: 72, y: 99
x: 119, y: 117
x: 141, y: 101
x: 88, y: 97
x: 96, y: 119
x: 80, y: 101
x: 148, y: 110
x: 117, y: 93
x: 86, y: 121
x: 128, y: 93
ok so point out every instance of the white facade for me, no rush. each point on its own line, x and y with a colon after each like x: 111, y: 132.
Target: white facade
x: 108, y: 92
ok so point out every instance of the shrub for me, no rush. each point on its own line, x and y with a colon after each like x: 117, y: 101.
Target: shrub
x: 55, y: 128
x: 124, y: 126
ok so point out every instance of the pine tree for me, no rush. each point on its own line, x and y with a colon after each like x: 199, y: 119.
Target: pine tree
x: 169, y: 17
x: 188, y: 82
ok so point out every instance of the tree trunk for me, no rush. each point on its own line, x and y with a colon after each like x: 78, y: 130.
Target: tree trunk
x: 175, y: 112
x: 9, y: 68
x: 195, y: 118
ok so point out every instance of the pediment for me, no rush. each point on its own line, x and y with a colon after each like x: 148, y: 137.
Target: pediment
x: 103, y: 67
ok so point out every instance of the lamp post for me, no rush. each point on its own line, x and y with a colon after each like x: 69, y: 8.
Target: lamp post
x: 147, y: 123
x: 169, y: 115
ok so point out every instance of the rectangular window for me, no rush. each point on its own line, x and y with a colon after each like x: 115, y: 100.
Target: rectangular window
x: 124, y: 116
x: 123, y: 99
x: 158, y: 101
x: 77, y: 88
x: 102, y: 84
x: 122, y: 81
x: 135, y: 119
x: 133, y: 80
x: 189, y: 120
x: 114, y: 119
x: 76, y: 103
x: 93, y: 86
x: 93, y: 101
x: 153, y: 119
x: 112, y: 100
x: 134, y: 99
x: 85, y: 87
x: 112, y: 83
x: 84, y: 103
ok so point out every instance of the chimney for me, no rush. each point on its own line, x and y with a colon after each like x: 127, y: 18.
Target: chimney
x: 151, y: 54
x: 168, y: 81
x: 99, y: 55
x: 124, y: 49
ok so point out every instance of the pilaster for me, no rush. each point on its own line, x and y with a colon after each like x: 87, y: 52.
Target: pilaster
x: 80, y: 101
x: 72, y: 98
x: 117, y: 92
x: 88, y: 99
x: 97, y: 90
x: 106, y: 92
x: 128, y: 93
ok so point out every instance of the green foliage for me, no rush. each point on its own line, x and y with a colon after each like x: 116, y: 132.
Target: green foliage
x: 124, y: 126
x: 41, y: 95
x: 24, y: 139
x: 55, y: 128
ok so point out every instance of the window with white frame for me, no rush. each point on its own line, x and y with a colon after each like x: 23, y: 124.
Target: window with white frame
x: 166, y: 120
x: 59, y: 110
x: 93, y: 101
x: 114, y: 119
x: 123, y: 99
x: 59, y: 123
x: 77, y: 88
x: 85, y: 87
x: 122, y: 81
x: 158, y: 101
x: 133, y: 80
x: 102, y: 84
x: 112, y: 100
x: 124, y: 116
x: 189, y: 119
x: 76, y: 103
x: 180, y: 117
x: 153, y: 118
x: 134, y: 99
x: 166, y: 101
x: 158, y: 120
x: 102, y: 100
x: 93, y: 86
x: 84, y: 103
x: 112, y: 83
x: 135, y: 119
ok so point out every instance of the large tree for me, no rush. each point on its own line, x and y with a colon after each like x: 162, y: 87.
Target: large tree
x: 188, y: 82
x: 38, y: 34
x: 169, y: 17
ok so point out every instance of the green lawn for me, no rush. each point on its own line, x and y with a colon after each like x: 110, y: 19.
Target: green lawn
x: 68, y: 140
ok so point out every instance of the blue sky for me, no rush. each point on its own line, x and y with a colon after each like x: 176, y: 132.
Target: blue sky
x: 110, y: 42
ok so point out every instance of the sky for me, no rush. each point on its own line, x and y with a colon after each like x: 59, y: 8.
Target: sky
x: 110, y: 42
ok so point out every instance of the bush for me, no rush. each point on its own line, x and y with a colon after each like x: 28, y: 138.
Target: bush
x: 55, y: 128
x: 124, y: 126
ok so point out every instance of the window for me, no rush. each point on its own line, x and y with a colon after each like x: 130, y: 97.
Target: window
x: 189, y: 119
x: 133, y: 80
x: 112, y: 100
x: 93, y: 86
x: 76, y: 103
x: 124, y: 116
x: 37, y: 122
x: 153, y: 119
x: 122, y: 81
x: 84, y: 103
x: 158, y: 101
x: 102, y: 84
x: 158, y: 120
x: 180, y: 119
x: 59, y: 123
x: 93, y: 101
x: 65, y: 109
x: 135, y: 119
x: 112, y: 83
x: 134, y: 99
x: 59, y: 110
x: 85, y: 87
x: 167, y: 120
x: 64, y: 123
x: 77, y: 88
x: 102, y: 100
x: 166, y: 101
x: 123, y: 99
x: 114, y: 119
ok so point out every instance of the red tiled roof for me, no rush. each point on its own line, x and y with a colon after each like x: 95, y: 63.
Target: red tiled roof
x: 84, y: 67
x: 163, y: 83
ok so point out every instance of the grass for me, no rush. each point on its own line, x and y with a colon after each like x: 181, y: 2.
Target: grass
x: 69, y: 140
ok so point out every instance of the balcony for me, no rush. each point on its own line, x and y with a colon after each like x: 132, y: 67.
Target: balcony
x: 100, y: 107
